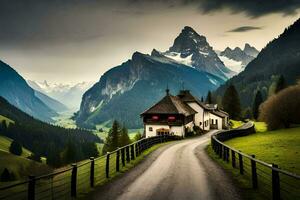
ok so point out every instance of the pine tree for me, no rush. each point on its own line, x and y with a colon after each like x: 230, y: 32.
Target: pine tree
x: 257, y: 101
x: 124, y: 138
x: 202, y: 99
x: 209, y: 98
x: 280, y: 85
x: 15, y: 148
x: 231, y: 102
x: 112, y: 139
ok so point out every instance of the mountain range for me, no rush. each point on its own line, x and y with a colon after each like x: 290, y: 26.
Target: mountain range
x: 281, y: 56
x: 125, y: 91
x: 237, y: 59
x: 17, y: 92
x: 68, y: 94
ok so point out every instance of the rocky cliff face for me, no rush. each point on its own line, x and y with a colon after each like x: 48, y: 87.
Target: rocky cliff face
x: 127, y: 90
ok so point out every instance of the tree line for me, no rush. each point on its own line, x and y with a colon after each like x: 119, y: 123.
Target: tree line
x: 117, y: 137
x: 274, y: 109
x: 59, y: 145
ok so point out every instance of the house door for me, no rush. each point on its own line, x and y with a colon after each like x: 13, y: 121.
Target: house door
x: 162, y: 131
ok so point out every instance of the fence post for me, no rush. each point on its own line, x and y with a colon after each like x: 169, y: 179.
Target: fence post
x: 241, y: 164
x: 31, y: 188
x: 254, y: 174
x: 220, y: 150
x: 92, y: 174
x: 132, y: 152
x: 107, y: 165
x: 74, y: 180
x: 123, y: 156
x: 275, y: 183
x: 127, y: 154
x: 233, y: 158
x: 136, y: 150
x: 227, y: 155
x: 224, y: 153
x: 118, y: 160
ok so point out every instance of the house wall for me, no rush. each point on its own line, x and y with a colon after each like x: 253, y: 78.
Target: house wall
x: 213, y: 119
x: 201, y: 117
x: 176, y: 130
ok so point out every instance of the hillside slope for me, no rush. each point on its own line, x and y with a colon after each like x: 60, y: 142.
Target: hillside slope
x: 14, y: 89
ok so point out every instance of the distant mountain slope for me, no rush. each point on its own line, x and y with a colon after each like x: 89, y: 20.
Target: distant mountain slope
x: 280, y: 57
x: 192, y: 49
x: 15, y: 89
x: 68, y: 94
x: 127, y: 90
x: 237, y: 59
x: 50, y: 102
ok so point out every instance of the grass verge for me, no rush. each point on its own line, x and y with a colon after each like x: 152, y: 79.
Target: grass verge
x: 241, y: 181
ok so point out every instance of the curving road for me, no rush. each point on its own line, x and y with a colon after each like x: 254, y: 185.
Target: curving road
x: 178, y: 171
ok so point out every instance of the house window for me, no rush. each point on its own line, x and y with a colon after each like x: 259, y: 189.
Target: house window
x: 200, y: 123
x: 171, y: 118
x: 155, y: 117
x: 150, y: 129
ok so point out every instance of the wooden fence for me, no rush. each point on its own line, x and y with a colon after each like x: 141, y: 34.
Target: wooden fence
x: 267, y: 179
x: 79, y: 179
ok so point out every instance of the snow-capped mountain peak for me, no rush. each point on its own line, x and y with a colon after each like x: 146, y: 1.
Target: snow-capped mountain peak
x: 236, y: 59
x: 191, y: 49
x: 68, y: 94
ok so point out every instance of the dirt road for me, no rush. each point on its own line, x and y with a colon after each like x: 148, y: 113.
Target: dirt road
x: 178, y: 171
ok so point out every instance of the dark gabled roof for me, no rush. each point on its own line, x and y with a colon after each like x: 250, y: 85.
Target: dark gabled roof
x: 170, y: 105
x: 186, y: 96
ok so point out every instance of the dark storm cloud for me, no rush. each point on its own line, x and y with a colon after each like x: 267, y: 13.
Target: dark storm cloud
x: 253, y: 8
x: 245, y: 29
x: 34, y: 22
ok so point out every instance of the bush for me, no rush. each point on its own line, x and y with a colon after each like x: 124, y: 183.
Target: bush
x: 198, y: 130
x: 15, y: 148
x: 282, y: 110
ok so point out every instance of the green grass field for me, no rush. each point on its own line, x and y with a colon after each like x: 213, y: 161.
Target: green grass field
x: 20, y: 166
x: 281, y: 147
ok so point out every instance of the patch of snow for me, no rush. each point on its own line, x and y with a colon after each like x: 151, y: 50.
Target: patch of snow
x: 213, y: 81
x: 177, y: 57
x: 204, y: 53
x: 233, y: 65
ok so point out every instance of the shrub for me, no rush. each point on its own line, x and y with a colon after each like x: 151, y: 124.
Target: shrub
x: 15, y: 148
x: 282, y: 110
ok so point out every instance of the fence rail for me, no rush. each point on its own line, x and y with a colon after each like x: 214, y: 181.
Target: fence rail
x: 80, y: 178
x: 268, y: 179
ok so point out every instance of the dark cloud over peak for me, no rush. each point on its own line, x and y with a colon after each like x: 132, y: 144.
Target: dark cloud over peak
x: 253, y: 8
x: 245, y: 29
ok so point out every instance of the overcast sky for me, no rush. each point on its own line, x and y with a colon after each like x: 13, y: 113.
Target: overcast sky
x: 60, y: 41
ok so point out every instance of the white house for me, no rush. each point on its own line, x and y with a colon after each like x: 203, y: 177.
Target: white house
x: 176, y: 115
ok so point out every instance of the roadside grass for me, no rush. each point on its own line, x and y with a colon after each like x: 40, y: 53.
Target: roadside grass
x: 280, y: 147
x: 241, y: 181
x: 236, y: 124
